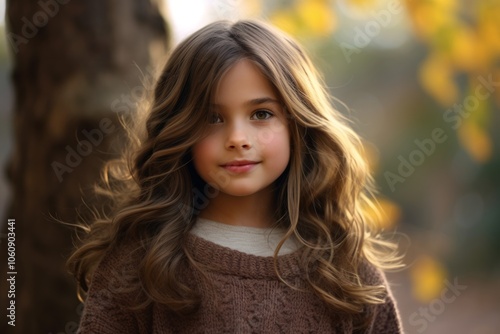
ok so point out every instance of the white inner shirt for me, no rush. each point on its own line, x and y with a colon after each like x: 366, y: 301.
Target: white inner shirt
x: 251, y: 240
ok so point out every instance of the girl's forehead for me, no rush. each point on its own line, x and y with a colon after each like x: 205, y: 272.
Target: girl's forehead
x: 244, y: 80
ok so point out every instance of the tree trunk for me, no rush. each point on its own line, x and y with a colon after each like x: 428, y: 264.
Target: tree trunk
x: 74, y: 63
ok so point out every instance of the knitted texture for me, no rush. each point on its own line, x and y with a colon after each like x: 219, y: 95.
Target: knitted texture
x: 240, y: 293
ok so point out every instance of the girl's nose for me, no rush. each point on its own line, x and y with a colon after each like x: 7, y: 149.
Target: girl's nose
x: 238, y: 138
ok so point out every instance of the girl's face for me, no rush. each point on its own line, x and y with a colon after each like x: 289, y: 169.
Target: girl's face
x: 248, y: 144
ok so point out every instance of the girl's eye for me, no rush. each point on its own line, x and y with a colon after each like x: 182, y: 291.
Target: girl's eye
x: 215, y: 118
x: 262, y: 114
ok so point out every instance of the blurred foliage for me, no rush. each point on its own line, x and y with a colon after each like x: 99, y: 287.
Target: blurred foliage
x: 306, y: 17
x: 462, y: 38
x: 428, y: 278
x: 443, y: 58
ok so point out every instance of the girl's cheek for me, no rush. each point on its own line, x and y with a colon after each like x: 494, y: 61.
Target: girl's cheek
x: 276, y: 130
x: 208, y: 142
x: 202, y: 151
x: 265, y: 136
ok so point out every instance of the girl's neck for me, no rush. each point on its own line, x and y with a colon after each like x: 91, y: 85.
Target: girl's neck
x: 255, y: 210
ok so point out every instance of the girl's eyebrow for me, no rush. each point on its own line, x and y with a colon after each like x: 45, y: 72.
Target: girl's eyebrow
x: 254, y: 102
x: 262, y: 100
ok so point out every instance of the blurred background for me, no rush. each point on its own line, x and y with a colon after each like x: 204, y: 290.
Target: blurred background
x: 419, y: 78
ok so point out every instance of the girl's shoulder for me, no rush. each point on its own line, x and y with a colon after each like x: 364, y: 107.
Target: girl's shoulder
x: 117, y: 271
x: 370, y: 274
x: 120, y: 256
x: 384, y: 317
x: 113, y: 293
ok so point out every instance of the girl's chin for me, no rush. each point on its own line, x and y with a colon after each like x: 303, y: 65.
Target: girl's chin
x: 241, y: 191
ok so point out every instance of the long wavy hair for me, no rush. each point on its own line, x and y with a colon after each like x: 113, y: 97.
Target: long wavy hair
x: 322, y: 196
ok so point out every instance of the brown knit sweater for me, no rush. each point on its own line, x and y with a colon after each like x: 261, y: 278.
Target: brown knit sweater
x: 241, y: 294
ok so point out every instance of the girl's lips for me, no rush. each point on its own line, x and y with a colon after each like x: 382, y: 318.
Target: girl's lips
x: 240, y: 167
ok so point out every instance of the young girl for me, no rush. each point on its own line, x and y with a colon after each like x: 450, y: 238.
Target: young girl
x: 241, y: 209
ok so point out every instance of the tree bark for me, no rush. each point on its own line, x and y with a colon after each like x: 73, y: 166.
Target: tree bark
x: 73, y: 60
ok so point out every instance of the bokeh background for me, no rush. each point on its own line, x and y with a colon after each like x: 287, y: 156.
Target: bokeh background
x: 419, y: 78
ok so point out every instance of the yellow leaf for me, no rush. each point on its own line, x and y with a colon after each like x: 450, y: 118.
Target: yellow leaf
x: 390, y: 213
x: 317, y: 16
x: 436, y: 77
x: 489, y: 31
x: 472, y: 133
x: 467, y: 51
x: 476, y: 141
x: 429, y: 17
x: 364, y: 4
x: 285, y: 21
x: 384, y: 214
x: 445, y: 5
x: 428, y: 277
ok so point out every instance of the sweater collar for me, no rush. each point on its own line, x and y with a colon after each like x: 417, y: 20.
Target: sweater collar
x: 232, y: 262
